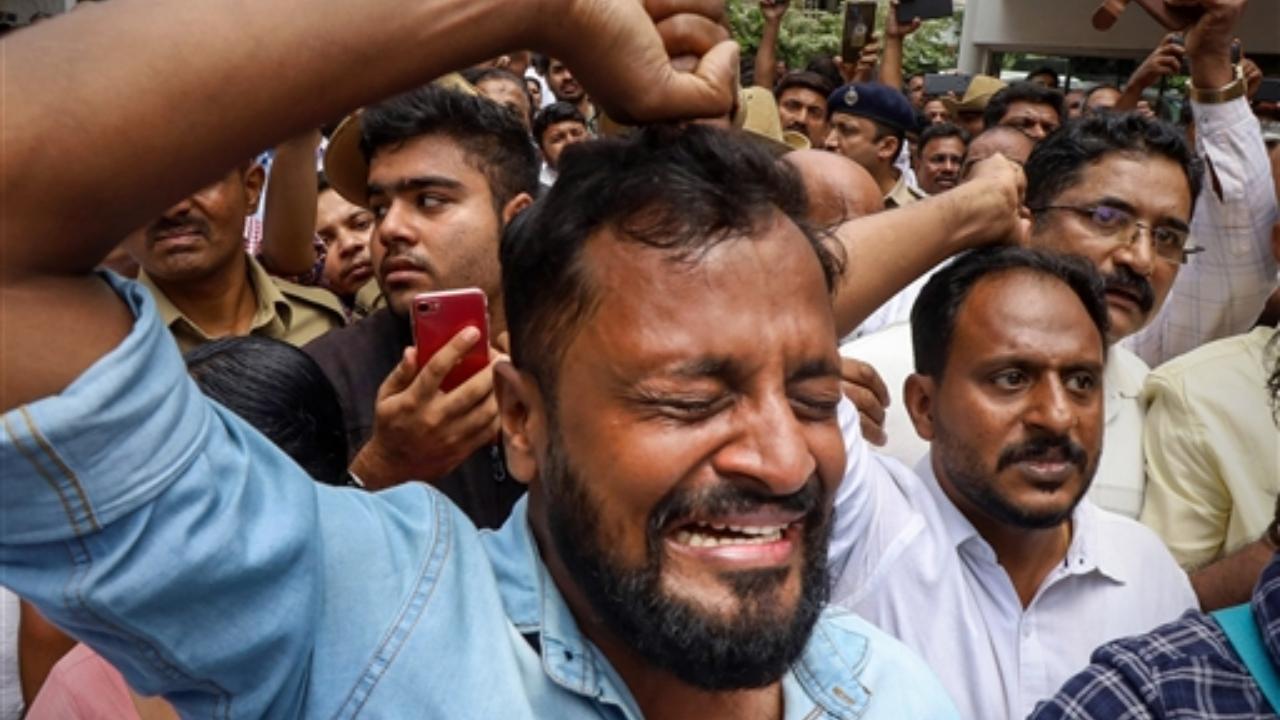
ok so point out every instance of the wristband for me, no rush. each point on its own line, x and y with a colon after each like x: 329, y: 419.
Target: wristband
x: 1226, y: 93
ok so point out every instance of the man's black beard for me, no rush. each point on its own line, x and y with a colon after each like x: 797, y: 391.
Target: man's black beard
x: 750, y: 650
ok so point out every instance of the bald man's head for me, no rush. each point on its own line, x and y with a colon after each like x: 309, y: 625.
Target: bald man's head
x: 1007, y: 141
x: 839, y: 189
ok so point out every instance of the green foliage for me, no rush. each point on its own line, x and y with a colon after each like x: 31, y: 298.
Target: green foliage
x: 934, y: 46
x: 806, y: 34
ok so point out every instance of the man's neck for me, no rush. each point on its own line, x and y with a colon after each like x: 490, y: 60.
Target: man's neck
x: 1027, y: 555
x: 586, y: 108
x: 887, y: 178
x: 658, y: 693
x: 221, y: 304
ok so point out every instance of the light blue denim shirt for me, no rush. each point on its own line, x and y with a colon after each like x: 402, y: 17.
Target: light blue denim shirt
x: 163, y: 531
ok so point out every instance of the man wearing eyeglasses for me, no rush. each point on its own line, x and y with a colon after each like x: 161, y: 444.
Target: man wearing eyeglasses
x: 1030, y: 108
x: 1120, y: 190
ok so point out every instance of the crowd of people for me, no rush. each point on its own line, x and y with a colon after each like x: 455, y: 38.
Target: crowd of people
x: 810, y: 393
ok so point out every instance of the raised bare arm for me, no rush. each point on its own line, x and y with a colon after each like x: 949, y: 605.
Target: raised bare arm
x: 114, y: 112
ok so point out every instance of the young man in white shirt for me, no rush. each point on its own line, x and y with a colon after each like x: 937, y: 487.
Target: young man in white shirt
x: 984, y: 559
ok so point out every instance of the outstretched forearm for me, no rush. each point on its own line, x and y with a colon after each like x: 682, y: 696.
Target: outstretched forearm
x: 104, y: 130
x: 886, y: 251
x: 1230, y: 580
x: 79, y: 97
x: 767, y: 54
x: 289, y: 218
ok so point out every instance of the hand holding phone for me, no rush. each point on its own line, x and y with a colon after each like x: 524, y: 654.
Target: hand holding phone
x: 421, y: 430
x: 859, y: 25
x: 438, y: 317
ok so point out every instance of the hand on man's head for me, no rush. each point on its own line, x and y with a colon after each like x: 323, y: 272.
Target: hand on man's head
x: 999, y: 185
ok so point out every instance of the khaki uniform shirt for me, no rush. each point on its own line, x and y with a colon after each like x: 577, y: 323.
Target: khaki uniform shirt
x: 903, y: 193
x: 368, y: 298
x: 286, y: 311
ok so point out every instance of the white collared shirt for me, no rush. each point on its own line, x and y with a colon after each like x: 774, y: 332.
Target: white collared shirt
x: 905, y: 558
x: 1119, y: 481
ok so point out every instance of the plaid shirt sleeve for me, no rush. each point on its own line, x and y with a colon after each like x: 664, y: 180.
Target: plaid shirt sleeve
x: 1182, y: 670
x: 1221, y: 291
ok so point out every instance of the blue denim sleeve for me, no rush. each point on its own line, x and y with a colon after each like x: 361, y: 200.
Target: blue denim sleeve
x: 164, y: 532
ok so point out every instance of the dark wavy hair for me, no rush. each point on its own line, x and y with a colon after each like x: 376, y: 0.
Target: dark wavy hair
x: 1029, y: 92
x: 933, y: 316
x: 1057, y: 162
x: 281, y: 392
x: 679, y: 190
x: 492, y: 137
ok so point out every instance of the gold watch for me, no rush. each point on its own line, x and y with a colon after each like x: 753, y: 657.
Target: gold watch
x: 1226, y: 93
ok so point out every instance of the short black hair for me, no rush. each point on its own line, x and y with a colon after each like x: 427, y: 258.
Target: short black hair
x: 1045, y: 70
x: 477, y: 75
x: 941, y: 130
x: 491, y: 136
x: 933, y: 316
x: 804, y: 79
x: 1100, y: 86
x: 679, y: 190
x: 322, y: 181
x: 826, y: 67
x: 1029, y: 92
x: 282, y: 393
x: 1057, y: 161
x: 556, y: 112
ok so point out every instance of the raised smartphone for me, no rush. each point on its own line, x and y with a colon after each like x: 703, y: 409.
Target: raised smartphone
x: 859, y: 24
x: 923, y: 9
x: 438, y: 316
x: 938, y: 84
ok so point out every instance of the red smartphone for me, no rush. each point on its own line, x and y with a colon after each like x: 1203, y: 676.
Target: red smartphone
x: 439, y: 316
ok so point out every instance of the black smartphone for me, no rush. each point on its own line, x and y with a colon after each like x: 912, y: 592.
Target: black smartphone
x: 939, y: 84
x: 859, y: 24
x: 923, y: 9
x: 1269, y: 91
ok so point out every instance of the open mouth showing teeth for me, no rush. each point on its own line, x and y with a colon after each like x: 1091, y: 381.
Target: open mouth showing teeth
x: 716, y: 535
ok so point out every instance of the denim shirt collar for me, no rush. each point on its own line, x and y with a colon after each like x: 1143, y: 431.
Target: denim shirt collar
x: 825, y: 676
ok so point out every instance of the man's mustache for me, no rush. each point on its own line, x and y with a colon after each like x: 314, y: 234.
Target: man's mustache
x: 1123, y: 278
x: 730, y: 498
x: 1044, y: 448
x: 168, y: 226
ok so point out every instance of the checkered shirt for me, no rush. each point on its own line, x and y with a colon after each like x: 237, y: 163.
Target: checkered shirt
x: 1221, y: 291
x: 1185, y: 670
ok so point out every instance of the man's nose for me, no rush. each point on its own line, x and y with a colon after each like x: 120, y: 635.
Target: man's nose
x: 394, y: 226
x: 1051, y: 408
x: 768, y: 447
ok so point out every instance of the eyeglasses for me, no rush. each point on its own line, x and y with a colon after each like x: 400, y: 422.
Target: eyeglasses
x: 1121, y: 227
x: 1027, y: 124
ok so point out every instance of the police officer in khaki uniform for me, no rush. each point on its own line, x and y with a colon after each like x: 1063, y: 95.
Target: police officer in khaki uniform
x: 868, y: 124
x: 206, y: 286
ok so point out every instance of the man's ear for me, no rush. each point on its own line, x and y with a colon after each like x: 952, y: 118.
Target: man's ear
x: 918, y: 395
x: 254, y: 178
x: 514, y: 207
x: 888, y: 147
x: 524, y: 419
